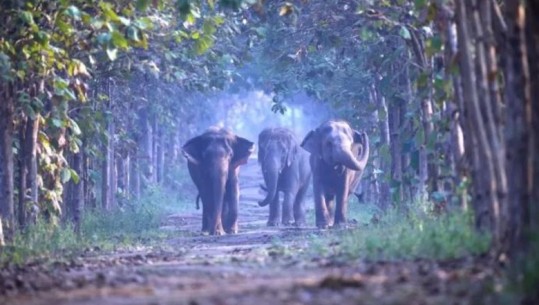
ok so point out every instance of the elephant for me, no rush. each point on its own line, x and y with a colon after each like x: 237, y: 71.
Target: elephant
x: 285, y: 167
x: 338, y: 158
x: 213, y: 160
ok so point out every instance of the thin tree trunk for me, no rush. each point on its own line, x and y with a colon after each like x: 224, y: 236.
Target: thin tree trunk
x: 146, y: 149
x: 385, y: 162
x: 2, y: 242
x: 105, y: 176
x: 395, y: 128
x: 23, y: 172
x: 488, y: 90
x: 32, y: 129
x: 6, y: 158
x: 77, y: 192
x: 160, y: 154
x: 519, y: 165
x: 484, y: 176
x: 531, y: 221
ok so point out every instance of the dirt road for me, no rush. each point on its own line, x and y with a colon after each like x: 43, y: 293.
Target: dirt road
x: 258, y: 266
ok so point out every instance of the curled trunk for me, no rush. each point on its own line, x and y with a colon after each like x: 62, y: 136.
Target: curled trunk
x: 347, y: 158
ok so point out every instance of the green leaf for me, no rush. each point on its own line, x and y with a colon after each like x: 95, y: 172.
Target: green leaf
x: 420, y: 3
x: 73, y: 12
x: 119, y: 40
x: 57, y: 123
x: 65, y: 175
x: 108, y: 11
x: 142, y: 5
x: 103, y: 38
x: 132, y: 33
x: 405, y: 33
x: 26, y: 17
x: 143, y: 23
x: 74, y: 176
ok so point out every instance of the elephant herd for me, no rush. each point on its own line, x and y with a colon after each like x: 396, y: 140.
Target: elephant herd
x: 333, y: 156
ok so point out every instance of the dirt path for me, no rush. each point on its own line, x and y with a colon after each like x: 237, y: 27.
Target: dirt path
x: 258, y: 266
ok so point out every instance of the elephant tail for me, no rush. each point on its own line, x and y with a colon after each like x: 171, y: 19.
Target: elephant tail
x: 198, y: 202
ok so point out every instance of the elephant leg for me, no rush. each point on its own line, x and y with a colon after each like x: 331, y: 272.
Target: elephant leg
x: 274, y: 212
x: 330, y: 203
x: 287, y: 208
x: 341, y: 204
x: 299, y: 211
x: 320, y: 207
x: 230, y: 220
x: 205, y: 218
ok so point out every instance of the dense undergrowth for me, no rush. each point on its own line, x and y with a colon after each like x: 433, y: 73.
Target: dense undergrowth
x: 416, y: 234
x: 135, y: 223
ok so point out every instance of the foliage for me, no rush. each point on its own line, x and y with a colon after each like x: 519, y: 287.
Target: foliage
x: 135, y: 224
x: 420, y: 235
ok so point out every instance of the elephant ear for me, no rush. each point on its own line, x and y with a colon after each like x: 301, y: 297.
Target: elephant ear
x: 242, y: 150
x: 311, y: 142
x: 192, y: 150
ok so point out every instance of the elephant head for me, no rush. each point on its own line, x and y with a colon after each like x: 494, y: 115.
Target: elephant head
x: 278, y: 148
x: 336, y: 143
x: 213, y: 158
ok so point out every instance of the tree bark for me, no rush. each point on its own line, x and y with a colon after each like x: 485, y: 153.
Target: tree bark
x: 23, y: 172
x: 77, y: 192
x: 6, y: 158
x: 484, y: 181
x: 385, y: 162
x: 519, y: 165
x: 395, y: 127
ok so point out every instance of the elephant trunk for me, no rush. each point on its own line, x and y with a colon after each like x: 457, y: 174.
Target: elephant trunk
x: 271, y: 177
x: 218, y: 184
x: 346, y: 157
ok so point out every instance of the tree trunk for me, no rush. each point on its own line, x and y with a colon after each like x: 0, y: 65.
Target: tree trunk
x: 384, y: 149
x: 6, y: 158
x: 531, y: 221
x: 105, y: 175
x: 32, y: 129
x: 77, y: 193
x: 23, y: 172
x: 519, y: 165
x: 146, y: 149
x: 2, y: 242
x: 395, y: 128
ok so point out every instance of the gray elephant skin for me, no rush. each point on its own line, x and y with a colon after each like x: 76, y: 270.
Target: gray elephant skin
x: 213, y: 160
x: 338, y: 158
x: 285, y: 167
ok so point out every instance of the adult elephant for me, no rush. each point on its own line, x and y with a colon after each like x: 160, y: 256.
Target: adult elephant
x: 338, y: 158
x: 285, y: 167
x: 214, y: 159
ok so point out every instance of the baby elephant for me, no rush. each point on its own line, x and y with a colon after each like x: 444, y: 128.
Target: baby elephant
x: 285, y: 166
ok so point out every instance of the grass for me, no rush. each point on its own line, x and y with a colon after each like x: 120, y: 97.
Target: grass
x: 136, y: 223
x: 420, y: 235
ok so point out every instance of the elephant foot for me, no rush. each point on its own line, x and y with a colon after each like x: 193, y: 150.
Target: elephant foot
x: 322, y: 226
x: 340, y: 226
x: 232, y: 231
x: 273, y: 223
x: 287, y: 222
x: 205, y: 232
x: 299, y: 224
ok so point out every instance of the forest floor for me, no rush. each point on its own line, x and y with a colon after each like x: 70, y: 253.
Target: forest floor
x: 260, y: 265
